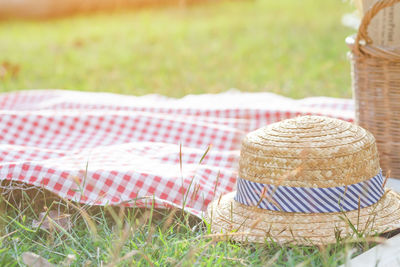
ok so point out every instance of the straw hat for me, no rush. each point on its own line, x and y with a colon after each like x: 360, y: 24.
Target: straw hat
x: 306, y: 181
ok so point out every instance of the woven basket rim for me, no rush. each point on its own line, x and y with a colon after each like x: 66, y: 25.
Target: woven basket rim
x: 363, y: 44
x: 373, y: 51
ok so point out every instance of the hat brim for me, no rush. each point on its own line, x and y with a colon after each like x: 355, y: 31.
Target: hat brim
x: 244, y: 223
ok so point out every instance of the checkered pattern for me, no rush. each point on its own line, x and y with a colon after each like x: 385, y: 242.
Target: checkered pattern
x: 100, y: 148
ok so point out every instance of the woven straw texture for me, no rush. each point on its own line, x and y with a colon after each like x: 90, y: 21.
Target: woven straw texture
x: 309, y: 151
x: 376, y: 87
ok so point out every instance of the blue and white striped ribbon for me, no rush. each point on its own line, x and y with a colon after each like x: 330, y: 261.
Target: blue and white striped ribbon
x: 308, y: 199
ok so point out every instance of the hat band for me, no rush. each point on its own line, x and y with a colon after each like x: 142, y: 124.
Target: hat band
x: 309, y: 199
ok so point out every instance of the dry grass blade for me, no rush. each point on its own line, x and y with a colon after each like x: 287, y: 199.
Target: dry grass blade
x: 205, y: 153
x: 7, y: 235
x: 192, y: 252
x: 274, y: 258
x: 216, y: 183
x: 386, y: 178
x: 169, y: 220
x: 86, y: 217
x: 254, y: 225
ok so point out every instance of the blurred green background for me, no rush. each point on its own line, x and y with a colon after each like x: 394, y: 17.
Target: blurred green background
x: 294, y: 48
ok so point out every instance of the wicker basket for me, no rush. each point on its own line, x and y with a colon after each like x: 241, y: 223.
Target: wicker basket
x: 376, y: 88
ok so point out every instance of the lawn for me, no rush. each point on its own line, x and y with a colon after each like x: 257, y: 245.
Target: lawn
x: 136, y: 237
x: 294, y: 48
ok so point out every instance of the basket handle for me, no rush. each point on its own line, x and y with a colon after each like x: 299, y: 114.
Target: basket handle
x: 363, y: 29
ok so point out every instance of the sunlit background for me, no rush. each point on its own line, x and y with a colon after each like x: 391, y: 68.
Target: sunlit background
x: 174, y: 48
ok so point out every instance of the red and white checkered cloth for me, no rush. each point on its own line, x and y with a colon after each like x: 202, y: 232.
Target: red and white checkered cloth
x: 100, y: 148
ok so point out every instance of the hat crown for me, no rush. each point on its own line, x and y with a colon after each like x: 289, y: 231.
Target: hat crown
x: 309, y: 151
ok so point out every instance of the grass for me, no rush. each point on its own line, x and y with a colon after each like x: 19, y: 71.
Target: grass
x: 294, y: 48
x: 141, y: 237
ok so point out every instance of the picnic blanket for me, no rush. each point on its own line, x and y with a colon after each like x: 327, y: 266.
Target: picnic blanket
x: 109, y: 149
